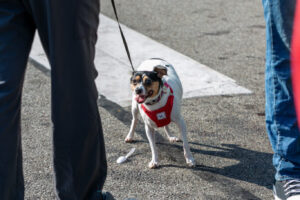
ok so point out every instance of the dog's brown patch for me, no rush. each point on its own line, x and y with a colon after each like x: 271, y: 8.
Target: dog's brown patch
x: 134, y: 82
x: 154, y: 86
x: 138, y: 78
x: 145, y: 78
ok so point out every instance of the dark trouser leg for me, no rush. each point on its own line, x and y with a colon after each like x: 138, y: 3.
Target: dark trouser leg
x: 68, y: 32
x: 16, y: 33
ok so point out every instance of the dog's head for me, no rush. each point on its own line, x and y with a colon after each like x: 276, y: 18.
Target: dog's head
x: 146, y: 84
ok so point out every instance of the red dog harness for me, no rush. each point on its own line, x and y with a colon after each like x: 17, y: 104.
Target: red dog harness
x: 161, y: 116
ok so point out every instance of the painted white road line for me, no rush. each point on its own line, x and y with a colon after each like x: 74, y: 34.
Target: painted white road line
x: 114, y: 70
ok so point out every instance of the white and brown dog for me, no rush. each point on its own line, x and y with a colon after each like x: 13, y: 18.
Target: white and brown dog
x: 157, y: 94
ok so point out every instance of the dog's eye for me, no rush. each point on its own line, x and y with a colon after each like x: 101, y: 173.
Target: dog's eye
x: 148, y: 82
x: 134, y: 81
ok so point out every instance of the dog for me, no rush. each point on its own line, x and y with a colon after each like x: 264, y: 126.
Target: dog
x: 157, y: 95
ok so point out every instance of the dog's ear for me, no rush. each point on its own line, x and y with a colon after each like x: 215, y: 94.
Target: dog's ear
x: 160, y: 72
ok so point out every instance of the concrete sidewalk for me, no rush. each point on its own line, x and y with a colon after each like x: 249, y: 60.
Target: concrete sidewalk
x: 111, y: 61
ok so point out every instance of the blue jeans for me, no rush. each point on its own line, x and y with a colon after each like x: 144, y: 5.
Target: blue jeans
x: 281, y: 122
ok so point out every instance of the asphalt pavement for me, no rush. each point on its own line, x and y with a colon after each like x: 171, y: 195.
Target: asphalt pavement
x: 226, y: 133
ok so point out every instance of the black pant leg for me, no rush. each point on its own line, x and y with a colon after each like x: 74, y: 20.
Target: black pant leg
x: 68, y: 30
x: 16, y: 35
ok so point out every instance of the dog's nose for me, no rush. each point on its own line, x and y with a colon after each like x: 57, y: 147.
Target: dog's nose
x: 138, y: 90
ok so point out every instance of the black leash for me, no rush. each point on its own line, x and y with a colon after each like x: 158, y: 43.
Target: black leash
x: 123, y: 37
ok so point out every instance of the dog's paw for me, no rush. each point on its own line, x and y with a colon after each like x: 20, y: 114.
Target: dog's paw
x: 153, y: 165
x: 128, y: 140
x: 190, y: 162
x: 174, y: 139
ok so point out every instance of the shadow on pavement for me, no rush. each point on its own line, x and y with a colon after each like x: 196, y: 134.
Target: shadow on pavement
x: 252, y: 166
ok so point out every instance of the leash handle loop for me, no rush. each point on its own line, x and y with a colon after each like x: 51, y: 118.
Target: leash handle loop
x: 122, y: 34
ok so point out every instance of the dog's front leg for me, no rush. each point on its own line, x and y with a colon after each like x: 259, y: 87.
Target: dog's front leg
x: 187, y: 152
x: 134, y: 111
x: 151, y: 138
x: 172, y: 139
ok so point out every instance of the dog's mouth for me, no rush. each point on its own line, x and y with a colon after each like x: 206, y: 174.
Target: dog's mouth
x: 142, y: 98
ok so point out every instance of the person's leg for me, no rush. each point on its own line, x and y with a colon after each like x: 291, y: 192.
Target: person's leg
x: 16, y: 34
x: 281, y: 120
x: 68, y: 31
